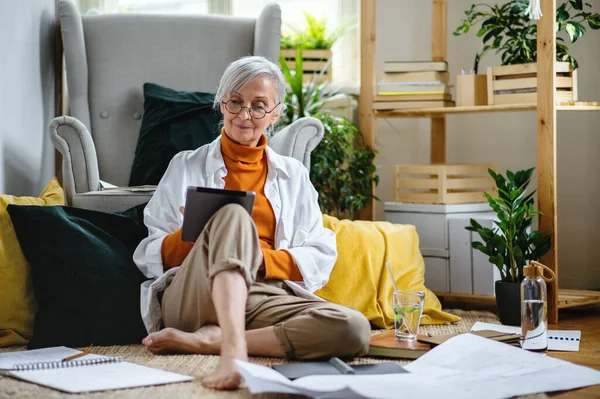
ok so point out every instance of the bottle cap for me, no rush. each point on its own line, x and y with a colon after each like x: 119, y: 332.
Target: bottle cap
x: 536, y: 269
x: 530, y: 271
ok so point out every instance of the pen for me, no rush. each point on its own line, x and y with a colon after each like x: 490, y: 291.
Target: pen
x: 342, y: 367
x: 66, y: 359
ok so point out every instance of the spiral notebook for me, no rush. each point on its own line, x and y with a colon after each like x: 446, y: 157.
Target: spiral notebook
x: 85, y: 374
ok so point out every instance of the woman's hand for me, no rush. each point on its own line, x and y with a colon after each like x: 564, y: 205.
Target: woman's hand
x: 182, y: 209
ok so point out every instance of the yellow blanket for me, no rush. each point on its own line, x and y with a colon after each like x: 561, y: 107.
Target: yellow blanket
x: 360, y: 280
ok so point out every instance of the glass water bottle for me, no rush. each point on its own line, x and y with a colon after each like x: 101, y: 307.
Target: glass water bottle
x: 534, y: 313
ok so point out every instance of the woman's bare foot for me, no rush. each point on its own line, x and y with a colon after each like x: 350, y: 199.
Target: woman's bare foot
x: 207, y: 340
x: 226, y: 375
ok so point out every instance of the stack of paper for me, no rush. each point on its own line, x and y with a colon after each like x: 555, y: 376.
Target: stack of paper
x: 558, y: 340
x: 466, y: 366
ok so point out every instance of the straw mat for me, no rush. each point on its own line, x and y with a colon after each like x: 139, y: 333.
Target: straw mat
x: 198, y: 366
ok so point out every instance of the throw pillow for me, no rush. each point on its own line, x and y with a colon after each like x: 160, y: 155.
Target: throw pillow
x: 86, y: 283
x: 173, y: 121
x: 360, y: 280
x: 17, y: 303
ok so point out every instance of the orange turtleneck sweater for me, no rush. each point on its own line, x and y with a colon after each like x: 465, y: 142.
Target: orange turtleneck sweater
x: 247, y: 171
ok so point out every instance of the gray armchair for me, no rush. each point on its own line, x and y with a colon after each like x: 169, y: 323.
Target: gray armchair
x: 109, y: 57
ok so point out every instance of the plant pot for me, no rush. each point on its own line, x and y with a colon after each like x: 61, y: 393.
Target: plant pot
x: 471, y: 90
x: 508, y: 302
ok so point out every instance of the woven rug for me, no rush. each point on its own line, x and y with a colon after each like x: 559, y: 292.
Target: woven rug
x: 198, y: 366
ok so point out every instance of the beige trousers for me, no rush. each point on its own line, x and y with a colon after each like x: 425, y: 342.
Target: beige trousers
x: 306, y: 329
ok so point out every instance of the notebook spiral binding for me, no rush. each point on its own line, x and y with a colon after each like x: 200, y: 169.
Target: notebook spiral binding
x: 71, y: 363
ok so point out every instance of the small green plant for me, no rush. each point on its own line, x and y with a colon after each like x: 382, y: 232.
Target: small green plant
x: 510, y: 245
x: 305, y: 98
x: 342, y: 169
x: 313, y: 37
x: 506, y: 29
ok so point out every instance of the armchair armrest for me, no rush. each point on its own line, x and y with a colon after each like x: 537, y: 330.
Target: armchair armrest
x: 298, y: 139
x: 79, y: 161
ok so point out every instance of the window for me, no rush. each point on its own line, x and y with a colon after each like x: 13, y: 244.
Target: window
x: 346, y: 56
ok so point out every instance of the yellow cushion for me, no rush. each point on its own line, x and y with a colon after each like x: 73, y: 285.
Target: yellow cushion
x: 360, y: 280
x: 17, y: 303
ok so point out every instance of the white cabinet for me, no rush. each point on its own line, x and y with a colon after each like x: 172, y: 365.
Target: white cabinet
x: 451, y: 265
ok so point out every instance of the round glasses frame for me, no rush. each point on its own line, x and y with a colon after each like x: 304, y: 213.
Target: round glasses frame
x: 234, y: 107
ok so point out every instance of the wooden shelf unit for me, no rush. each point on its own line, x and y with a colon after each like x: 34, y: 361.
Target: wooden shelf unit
x: 546, y: 108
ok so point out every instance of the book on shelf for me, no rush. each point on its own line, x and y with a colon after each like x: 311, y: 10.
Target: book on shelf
x: 86, y: 372
x: 415, y: 66
x: 381, y: 105
x: 413, y: 97
x: 408, y: 77
x: 409, y: 84
x: 408, y: 88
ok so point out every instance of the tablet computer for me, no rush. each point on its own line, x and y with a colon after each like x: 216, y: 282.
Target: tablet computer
x: 202, y: 203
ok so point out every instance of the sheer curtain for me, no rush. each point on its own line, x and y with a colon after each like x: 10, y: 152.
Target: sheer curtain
x: 346, y: 51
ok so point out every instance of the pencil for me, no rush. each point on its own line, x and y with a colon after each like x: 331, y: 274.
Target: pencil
x: 66, y: 359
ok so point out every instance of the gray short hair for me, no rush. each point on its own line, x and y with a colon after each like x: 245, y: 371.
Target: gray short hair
x: 243, y: 70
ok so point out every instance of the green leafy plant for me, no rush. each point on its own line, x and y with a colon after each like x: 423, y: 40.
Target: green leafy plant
x: 506, y: 29
x: 305, y: 98
x: 342, y: 169
x: 313, y: 37
x: 509, y: 245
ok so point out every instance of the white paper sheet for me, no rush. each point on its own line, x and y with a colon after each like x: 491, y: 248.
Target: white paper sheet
x: 466, y: 366
x: 558, y: 340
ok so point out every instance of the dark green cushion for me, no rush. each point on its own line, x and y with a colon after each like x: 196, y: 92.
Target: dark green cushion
x: 173, y: 121
x: 85, y: 281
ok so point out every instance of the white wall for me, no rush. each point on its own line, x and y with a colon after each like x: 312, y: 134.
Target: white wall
x: 509, y: 140
x: 26, y: 95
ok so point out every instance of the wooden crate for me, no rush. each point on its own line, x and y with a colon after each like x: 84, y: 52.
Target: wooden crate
x: 517, y: 84
x: 443, y: 183
x: 313, y: 61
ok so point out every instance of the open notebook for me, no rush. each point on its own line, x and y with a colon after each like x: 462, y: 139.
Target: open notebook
x: 85, y: 374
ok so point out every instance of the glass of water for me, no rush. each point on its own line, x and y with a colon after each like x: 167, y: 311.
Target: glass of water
x: 408, y: 308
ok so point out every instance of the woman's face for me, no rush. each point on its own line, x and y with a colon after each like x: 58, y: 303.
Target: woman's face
x: 242, y: 128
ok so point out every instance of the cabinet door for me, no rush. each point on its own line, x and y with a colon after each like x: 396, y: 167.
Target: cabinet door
x: 436, y: 274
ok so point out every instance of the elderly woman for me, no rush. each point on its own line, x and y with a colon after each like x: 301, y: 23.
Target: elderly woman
x: 226, y: 293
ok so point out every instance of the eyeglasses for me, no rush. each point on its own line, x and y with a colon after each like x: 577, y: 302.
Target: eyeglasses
x: 255, y: 111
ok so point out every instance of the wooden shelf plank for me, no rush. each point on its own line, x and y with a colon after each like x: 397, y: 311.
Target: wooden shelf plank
x: 566, y: 298
x: 430, y: 112
x: 578, y: 107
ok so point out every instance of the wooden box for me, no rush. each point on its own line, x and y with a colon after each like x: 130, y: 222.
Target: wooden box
x: 313, y: 61
x: 471, y: 90
x: 517, y: 84
x: 443, y: 183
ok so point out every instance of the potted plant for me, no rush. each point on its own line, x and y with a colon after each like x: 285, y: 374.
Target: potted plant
x: 342, y: 169
x: 316, y: 43
x: 507, y: 29
x: 306, y: 97
x: 510, y: 245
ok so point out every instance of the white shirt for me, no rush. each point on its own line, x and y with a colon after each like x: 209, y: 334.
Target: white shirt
x: 299, y: 222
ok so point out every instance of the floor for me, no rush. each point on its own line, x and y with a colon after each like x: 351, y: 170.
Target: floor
x: 587, y: 320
